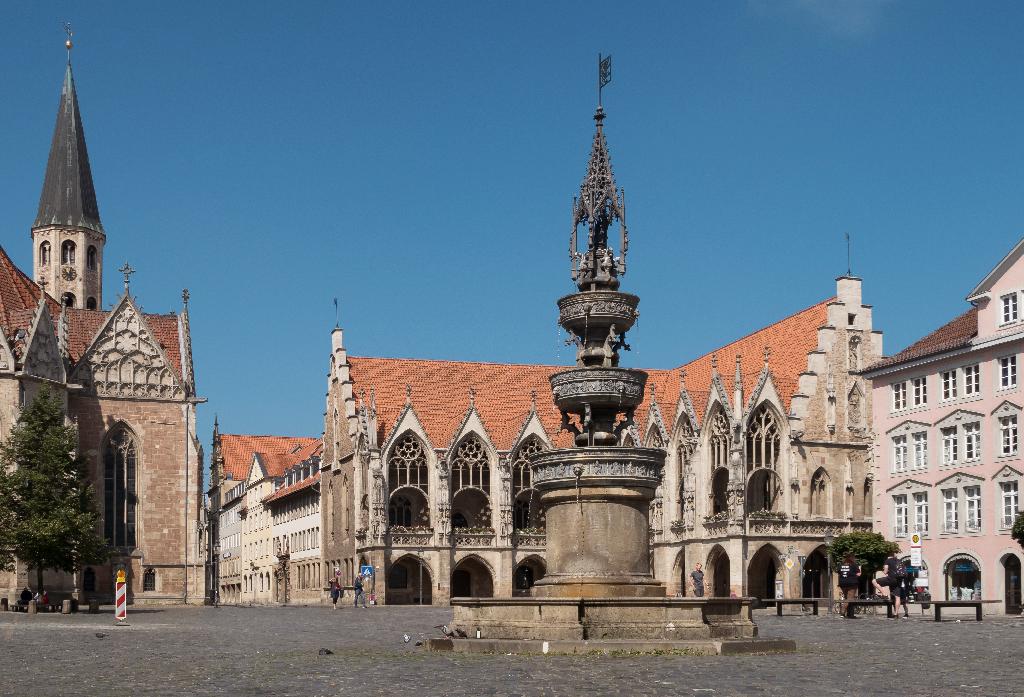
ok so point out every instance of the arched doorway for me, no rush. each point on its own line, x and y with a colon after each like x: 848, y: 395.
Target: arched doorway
x: 529, y: 571
x: 1011, y: 584
x: 815, y: 578
x: 718, y: 565
x: 409, y: 582
x: 763, y: 572
x: 472, y: 579
x: 963, y: 578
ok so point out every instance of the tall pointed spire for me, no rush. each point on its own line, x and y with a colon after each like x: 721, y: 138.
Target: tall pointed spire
x: 599, y: 204
x: 68, y: 196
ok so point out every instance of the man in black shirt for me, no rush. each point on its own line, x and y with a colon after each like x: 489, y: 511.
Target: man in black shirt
x: 849, y: 581
x: 892, y: 580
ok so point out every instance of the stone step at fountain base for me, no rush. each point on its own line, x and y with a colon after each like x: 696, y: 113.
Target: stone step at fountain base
x: 710, y: 647
x: 586, y: 621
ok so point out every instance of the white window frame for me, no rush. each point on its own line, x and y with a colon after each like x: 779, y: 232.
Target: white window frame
x: 1008, y: 372
x: 1009, y: 503
x: 951, y: 510
x: 972, y: 517
x: 972, y: 441
x: 1008, y: 308
x: 900, y: 453
x: 950, y: 384
x: 920, y: 499
x: 899, y: 395
x: 950, y: 445
x: 900, y: 503
x: 920, y: 390
x: 920, y: 440
x: 1009, y: 435
x: 972, y: 379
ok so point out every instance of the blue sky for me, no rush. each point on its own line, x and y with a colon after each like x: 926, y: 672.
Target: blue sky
x: 418, y: 161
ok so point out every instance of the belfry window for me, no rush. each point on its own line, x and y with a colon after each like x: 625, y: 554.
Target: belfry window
x: 44, y: 254
x: 90, y: 258
x: 67, y: 252
x: 120, y: 459
x: 90, y: 304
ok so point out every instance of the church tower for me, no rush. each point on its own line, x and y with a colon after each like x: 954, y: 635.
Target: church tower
x: 67, y: 236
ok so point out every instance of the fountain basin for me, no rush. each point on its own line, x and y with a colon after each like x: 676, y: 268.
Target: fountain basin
x: 584, y: 312
x: 618, y: 388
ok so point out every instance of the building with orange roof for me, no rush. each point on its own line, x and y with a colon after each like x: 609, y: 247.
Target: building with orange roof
x: 250, y: 503
x: 426, y: 477
x: 126, y: 377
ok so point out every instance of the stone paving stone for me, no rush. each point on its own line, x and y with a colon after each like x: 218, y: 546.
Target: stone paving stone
x: 273, y: 651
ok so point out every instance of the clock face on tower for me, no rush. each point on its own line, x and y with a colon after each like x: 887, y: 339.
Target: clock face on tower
x: 68, y: 273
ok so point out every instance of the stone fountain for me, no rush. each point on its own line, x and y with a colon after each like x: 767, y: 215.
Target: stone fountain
x: 599, y: 592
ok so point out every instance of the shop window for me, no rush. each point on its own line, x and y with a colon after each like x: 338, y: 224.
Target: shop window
x: 963, y: 578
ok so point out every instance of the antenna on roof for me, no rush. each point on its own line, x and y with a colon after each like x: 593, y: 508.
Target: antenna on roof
x: 848, y: 266
x: 336, y: 319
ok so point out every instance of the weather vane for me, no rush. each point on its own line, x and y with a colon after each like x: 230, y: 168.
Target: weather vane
x: 68, y: 44
x: 604, y: 74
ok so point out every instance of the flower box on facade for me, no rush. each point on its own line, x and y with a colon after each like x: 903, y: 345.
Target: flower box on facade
x: 529, y: 538
x: 465, y: 538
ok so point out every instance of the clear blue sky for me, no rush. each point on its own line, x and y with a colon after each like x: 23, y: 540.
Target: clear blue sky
x: 418, y: 161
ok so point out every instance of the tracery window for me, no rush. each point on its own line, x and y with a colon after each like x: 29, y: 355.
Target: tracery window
x: 119, y: 498
x: 407, y: 465
x: 719, y: 441
x: 400, y: 511
x: 149, y: 580
x: 67, y: 252
x: 763, y: 441
x: 471, y: 468
x: 526, y: 511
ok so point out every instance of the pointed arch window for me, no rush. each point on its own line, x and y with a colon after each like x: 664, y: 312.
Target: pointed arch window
x: 44, y: 254
x: 67, y: 252
x: 763, y: 441
x: 654, y: 439
x: 526, y: 510
x: 120, y: 462
x: 719, y: 440
x: 471, y: 468
x: 407, y: 465
x: 400, y: 511
x: 90, y: 258
x: 820, y: 494
x: 149, y: 580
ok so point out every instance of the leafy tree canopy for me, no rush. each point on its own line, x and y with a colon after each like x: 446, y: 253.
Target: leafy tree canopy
x: 1018, y: 529
x: 47, y: 507
x: 870, y: 548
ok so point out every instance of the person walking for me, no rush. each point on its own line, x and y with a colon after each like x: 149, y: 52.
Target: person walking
x: 335, y: 592
x: 360, y: 595
x: 697, y: 580
x: 849, y: 581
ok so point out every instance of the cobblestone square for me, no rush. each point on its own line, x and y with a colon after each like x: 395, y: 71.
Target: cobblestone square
x: 274, y: 651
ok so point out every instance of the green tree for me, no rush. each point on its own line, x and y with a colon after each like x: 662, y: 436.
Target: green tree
x: 1018, y: 529
x: 870, y: 548
x: 48, y: 513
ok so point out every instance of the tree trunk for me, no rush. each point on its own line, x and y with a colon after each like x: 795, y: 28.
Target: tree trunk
x: 39, y: 579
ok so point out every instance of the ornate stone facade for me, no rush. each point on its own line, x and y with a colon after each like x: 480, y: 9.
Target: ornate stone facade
x: 126, y: 379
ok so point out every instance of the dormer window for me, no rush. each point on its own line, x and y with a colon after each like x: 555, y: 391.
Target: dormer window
x: 1009, y: 302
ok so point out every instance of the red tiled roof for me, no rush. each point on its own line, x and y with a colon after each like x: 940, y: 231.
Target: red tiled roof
x: 440, y: 389
x: 19, y: 297
x: 278, y: 452
x: 952, y: 335
x: 293, y: 488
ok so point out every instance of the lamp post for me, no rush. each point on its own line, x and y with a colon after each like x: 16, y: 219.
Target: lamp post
x: 828, y: 564
x: 420, y: 566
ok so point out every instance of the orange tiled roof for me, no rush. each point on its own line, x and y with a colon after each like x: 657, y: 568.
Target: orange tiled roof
x: 278, y: 452
x: 440, y: 389
x: 19, y: 297
x: 293, y: 488
x: 952, y: 335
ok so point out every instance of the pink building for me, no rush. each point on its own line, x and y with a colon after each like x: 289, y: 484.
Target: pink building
x: 947, y: 443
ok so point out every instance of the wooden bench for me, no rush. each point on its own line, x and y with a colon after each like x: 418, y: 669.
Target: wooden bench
x: 976, y: 604
x: 779, y: 602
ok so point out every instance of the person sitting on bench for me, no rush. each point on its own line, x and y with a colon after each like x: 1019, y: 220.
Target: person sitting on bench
x: 894, y: 575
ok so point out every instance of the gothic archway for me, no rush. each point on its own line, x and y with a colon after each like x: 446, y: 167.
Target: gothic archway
x: 764, y: 443
x: 120, y: 467
x: 718, y: 568
x: 471, y: 578
x: 763, y: 572
x: 409, y: 582
x: 527, y: 573
x: 526, y: 511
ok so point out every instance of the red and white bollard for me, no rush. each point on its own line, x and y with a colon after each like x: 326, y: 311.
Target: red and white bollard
x: 121, y: 599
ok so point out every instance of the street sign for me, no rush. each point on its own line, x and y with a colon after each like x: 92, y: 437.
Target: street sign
x: 915, y: 556
x: 366, y: 571
x: 121, y: 598
x: 915, y: 539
